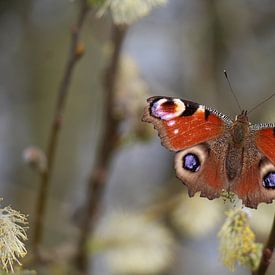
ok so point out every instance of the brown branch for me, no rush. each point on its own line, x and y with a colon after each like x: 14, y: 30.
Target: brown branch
x: 76, y: 50
x: 108, y: 143
x: 267, y: 252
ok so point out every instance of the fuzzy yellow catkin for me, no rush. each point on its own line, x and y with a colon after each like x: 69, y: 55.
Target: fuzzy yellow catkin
x: 12, y: 235
x: 237, y: 241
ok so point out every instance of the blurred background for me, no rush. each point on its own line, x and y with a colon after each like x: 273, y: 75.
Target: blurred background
x: 147, y: 223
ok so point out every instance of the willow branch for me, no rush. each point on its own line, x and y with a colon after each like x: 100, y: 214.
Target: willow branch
x: 75, y: 53
x: 267, y: 252
x: 108, y: 143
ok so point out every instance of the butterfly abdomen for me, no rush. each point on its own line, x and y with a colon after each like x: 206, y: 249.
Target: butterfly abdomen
x: 234, y: 162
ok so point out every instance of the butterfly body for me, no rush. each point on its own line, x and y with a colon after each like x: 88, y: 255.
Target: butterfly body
x: 215, y: 153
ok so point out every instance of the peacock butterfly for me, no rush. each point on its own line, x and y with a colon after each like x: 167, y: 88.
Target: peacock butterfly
x: 215, y: 153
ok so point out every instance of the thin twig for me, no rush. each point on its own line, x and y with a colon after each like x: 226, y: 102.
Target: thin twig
x: 267, y: 252
x: 108, y: 143
x: 41, y: 203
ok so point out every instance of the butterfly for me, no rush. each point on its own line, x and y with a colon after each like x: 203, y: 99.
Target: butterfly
x: 215, y: 153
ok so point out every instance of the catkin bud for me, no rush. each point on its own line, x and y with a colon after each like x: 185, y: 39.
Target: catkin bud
x: 36, y: 158
x: 79, y: 49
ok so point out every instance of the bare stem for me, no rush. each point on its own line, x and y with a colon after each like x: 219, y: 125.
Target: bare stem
x: 41, y: 203
x: 108, y: 143
x: 267, y: 252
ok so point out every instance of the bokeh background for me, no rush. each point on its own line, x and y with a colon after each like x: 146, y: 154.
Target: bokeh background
x: 179, y: 49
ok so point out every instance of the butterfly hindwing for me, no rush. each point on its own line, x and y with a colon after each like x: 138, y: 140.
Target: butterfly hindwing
x: 201, y: 168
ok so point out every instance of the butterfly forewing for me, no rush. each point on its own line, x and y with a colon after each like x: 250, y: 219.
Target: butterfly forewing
x: 181, y: 123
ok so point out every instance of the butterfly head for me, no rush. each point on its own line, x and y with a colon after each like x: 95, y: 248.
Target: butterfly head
x: 242, y: 118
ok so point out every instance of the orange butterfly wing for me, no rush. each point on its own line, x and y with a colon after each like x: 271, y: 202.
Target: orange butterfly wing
x: 182, y: 123
x: 265, y: 141
x: 256, y: 184
x: 209, y: 178
x: 192, y: 129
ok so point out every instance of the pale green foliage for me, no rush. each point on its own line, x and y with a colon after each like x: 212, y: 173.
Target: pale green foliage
x: 129, y: 11
x: 134, y: 244
x: 12, y: 235
x: 237, y: 241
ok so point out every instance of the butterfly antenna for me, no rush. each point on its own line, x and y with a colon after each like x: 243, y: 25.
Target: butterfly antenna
x: 231, y: 90
x: 261, y: 103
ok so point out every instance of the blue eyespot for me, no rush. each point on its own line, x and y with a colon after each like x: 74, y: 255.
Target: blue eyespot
x: 192, y: 163
x: 269, y: 180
